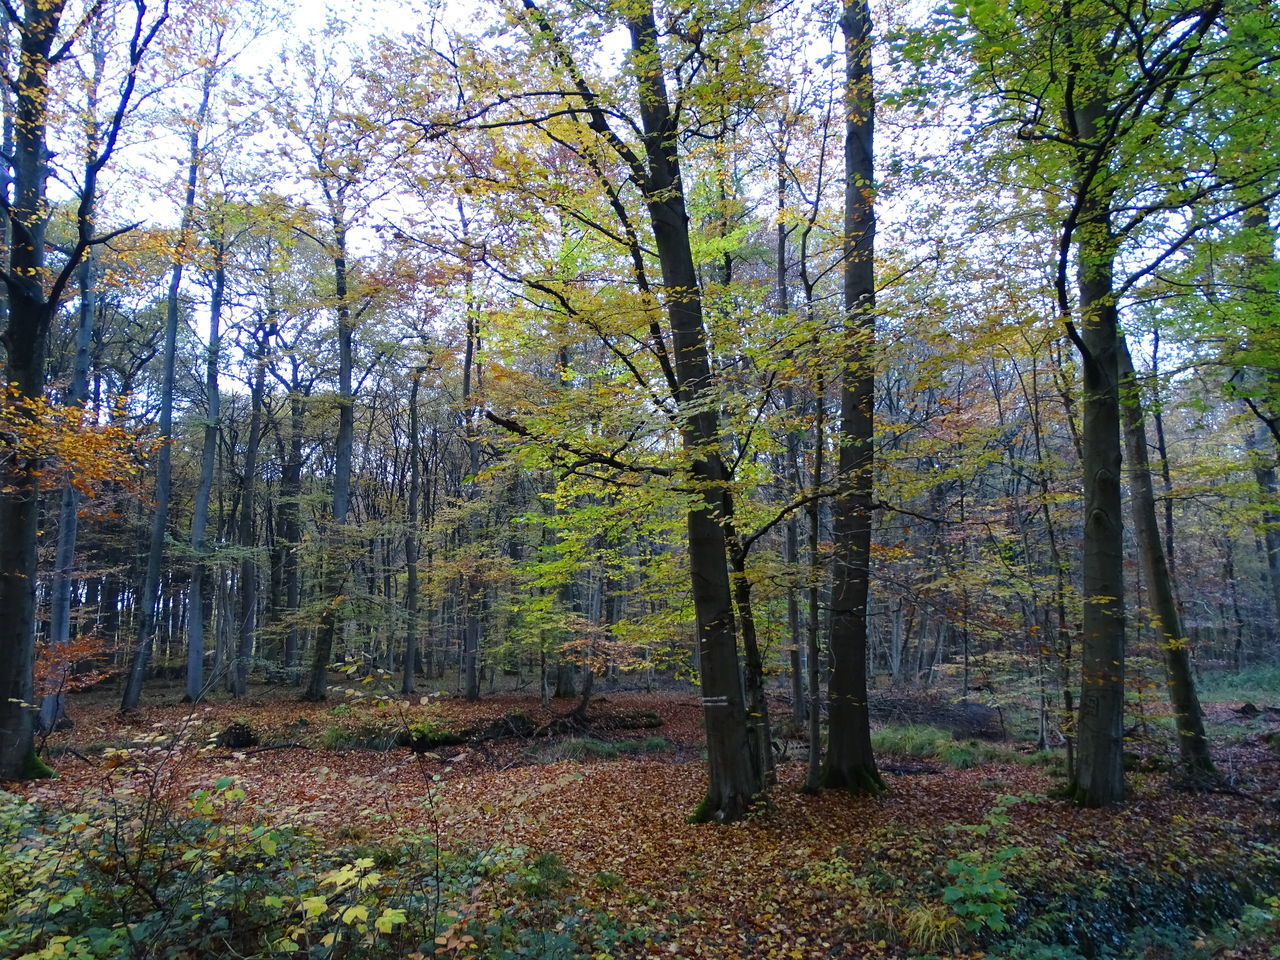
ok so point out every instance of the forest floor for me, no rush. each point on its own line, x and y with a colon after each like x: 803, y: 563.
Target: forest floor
x: 966, y: 854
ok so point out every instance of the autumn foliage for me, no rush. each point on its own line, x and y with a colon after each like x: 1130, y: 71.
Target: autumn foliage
x: 80, y: 663
x: 68, y: 444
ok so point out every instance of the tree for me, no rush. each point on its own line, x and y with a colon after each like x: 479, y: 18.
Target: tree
x: 627, y: 147
x: 1100, y: 90
x: 850, y: 763
x: 34, y: 293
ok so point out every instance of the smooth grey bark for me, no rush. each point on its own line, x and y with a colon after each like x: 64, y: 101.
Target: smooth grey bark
x: 247, y: 625
x: 1260, y: 444
x: 1099, y: 773
x: 317, y: 686
x: 148, y: 600
x: 195, y: 683
x: 474, y: 588
x: 735, y: 774
x: 813, y: 773
x: 289, y: 519
x: 1193, y: 745
x: 52, y: 706
x: 791, y: 543
x: 850, y: 763
x: 26, y: 339
x: 411, y: 539
x: 1260, y: 262
x: 795, y: 656
x: 31, y: 309
x: 757, y: 704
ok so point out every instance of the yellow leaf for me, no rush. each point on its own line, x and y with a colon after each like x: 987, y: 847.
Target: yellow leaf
x: 358, y: 912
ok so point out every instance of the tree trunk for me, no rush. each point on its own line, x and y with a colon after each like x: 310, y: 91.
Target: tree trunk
x: 317, y: 687
x: 849, y: 762
x: 411, y: 540
x: 734, y: 771
x: 248, y: 623
x: 52, y: 709
x: 26, y: 341
x: 1099, y: 774
x: 195, y: 687
x: 1193, y: 746
x: 757, y: 703
x: 164, y: 458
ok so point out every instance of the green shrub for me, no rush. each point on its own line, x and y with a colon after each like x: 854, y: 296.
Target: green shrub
x: 127, y: 875
x: 911, y: 740
x: 427, y: 733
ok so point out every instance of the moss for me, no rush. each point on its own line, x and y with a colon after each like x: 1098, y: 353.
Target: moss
x: 714, y: 809
x: 860, y: 781
x: 33, y: 768
x: 702, y: 812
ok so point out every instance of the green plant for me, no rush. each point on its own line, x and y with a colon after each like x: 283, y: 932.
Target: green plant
x: 606, y: 880
x: 334, y: 738
x: 369, y: 735
x: 931, y: 926
x: 127, y: 874
x: 934, y: 743
x: 584, y: 748
x: 979, y: 894
x: 427, y: 733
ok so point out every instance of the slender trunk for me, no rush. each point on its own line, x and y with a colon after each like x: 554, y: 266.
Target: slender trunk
x: 1193, y: 746
x: 791, y: 545
x: 52, y: 707
x: 411, y: 541
x: 813, y: 776
x: 248, y: 624
x: 200, y: 569
x: 791, y: 556
x: 291, y: 527
x: 317, y: 687
x: 735, y: 775
x: 164, y: 460
x: 757, y: 703
x: 149, y: 600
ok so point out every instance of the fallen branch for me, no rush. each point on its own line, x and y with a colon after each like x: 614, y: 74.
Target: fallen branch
x: 241, y: 754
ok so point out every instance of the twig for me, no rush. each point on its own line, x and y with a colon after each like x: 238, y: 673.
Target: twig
x: 241, y: 754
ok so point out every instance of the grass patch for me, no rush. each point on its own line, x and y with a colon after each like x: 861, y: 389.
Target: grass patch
x: 923, y: 742
x: 590, y: 748
x: 364, y: 736
x: 1259, y: 685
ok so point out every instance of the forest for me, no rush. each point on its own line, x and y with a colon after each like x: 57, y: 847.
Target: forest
x: 647, y: 478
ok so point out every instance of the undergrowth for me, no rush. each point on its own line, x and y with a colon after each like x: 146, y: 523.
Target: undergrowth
x: 1019, y: 895
x: 590, y: 748
x: 127, y: 874
x: 923, y: 742
x: 1259, y: 685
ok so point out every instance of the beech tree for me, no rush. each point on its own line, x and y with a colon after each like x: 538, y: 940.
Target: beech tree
x: 35, y: 290
x: 1100, y: 90
x: 849, y: 762
x: 638, y: 160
